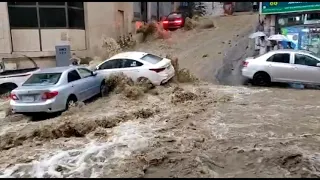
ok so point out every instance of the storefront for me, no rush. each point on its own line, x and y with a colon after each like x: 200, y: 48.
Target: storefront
x: 310, y: 40
x: 306, y: 36
x: 299, y: 21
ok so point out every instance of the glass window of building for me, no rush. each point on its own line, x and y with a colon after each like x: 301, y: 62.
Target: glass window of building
x: 46, y: 15
x: 289, y: 20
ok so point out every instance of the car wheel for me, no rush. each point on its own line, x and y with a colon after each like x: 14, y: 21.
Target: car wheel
x: 71, y: 102
x: 7, y: 88
x: 261, y: 79
x: 145, y: 82
x: 103, y: 89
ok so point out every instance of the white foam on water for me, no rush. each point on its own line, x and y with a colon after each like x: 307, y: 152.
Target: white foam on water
x: 93, y: 160
x: 242, y: 90
x: 217, y: 128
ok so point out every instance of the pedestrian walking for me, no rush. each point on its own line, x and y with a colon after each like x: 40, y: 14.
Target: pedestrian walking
x: 263, y: 45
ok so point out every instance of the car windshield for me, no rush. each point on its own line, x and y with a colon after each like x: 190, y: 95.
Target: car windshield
x: 174, y: 16
x: 313, y: 54
x: 43, y: 79
x: 152, y: 58
x: 258, y: 55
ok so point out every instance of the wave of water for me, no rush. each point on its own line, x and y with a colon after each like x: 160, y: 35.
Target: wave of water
x: 94, y: 160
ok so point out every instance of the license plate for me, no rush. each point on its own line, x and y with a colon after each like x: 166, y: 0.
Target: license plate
x: 27, y: 98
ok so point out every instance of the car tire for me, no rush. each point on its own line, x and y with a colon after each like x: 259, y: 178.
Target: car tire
x: 103, y: 89
x: 71, y: 102
x: 7, y: 88
x: 145, y: 82
x: 261, y: 79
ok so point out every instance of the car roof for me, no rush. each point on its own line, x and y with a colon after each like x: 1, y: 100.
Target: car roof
x: 290, y: 50
x: 131, y: 54
x: 56, y: 69
x: 179, y: 12
x: 176, y: 13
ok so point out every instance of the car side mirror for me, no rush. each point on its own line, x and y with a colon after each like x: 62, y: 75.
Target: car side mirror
x: 318, y: 64
x: 94, y: 73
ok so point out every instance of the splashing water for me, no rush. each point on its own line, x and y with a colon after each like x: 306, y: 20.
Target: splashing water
x: 92, y: 160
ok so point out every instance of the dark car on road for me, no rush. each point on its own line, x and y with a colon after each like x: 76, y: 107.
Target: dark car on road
x: 174, y: 20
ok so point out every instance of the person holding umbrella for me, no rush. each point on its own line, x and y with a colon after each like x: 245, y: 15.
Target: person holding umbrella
x: 260, y: 36
x: 279, y: 41
x: 289, y: 45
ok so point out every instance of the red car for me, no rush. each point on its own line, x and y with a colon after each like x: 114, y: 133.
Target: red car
x: 174, y: 21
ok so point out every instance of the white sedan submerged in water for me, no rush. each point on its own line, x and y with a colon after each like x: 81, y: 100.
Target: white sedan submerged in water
x: 139, y: 66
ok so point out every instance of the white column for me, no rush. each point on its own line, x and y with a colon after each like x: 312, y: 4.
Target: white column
x: 5, y: 34
x: 149, y: 7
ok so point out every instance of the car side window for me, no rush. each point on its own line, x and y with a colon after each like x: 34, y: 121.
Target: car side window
x: 73, y: 76
x: 128, y: 63
x: 84, y: 72
x: 305, y: 60
x: 111, y: 64
x: 280, y: 58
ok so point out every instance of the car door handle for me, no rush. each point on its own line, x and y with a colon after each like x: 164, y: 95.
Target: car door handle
x: 295, y: 68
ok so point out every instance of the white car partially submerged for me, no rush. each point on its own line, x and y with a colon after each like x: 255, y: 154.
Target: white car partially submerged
x: 285, y: 66
x: 139, y: 66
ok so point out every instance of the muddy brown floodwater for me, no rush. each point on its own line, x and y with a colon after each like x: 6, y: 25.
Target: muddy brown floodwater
x: 198, y: 130
x: 178, y: 130
x: 202, y: 51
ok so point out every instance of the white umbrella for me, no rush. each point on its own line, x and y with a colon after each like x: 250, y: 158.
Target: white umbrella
x: 257, y: 34
x: 278, y: 37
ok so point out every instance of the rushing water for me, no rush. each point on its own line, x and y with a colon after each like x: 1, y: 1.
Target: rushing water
x: 92, y: 160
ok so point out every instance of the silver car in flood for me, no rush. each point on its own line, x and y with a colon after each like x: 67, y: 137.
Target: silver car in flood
x: 55, y: 89
x: 288, y: 66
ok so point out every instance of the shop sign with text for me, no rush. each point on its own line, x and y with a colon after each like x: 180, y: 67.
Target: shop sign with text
x: 287, y: 7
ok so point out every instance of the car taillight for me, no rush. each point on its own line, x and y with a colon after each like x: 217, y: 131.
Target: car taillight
x: 245, y: 63
x: 14, y: 97
x: 157, y: 70
x: 165, y: 22
x: 49, y: 95
x: 178, y: 21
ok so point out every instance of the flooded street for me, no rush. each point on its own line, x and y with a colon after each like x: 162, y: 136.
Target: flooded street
x: 220, y: 132
x: 197, y: 129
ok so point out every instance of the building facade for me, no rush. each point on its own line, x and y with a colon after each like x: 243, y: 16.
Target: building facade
x: 299, y: 21
x: 148, y: 11
x: 34, y: 28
